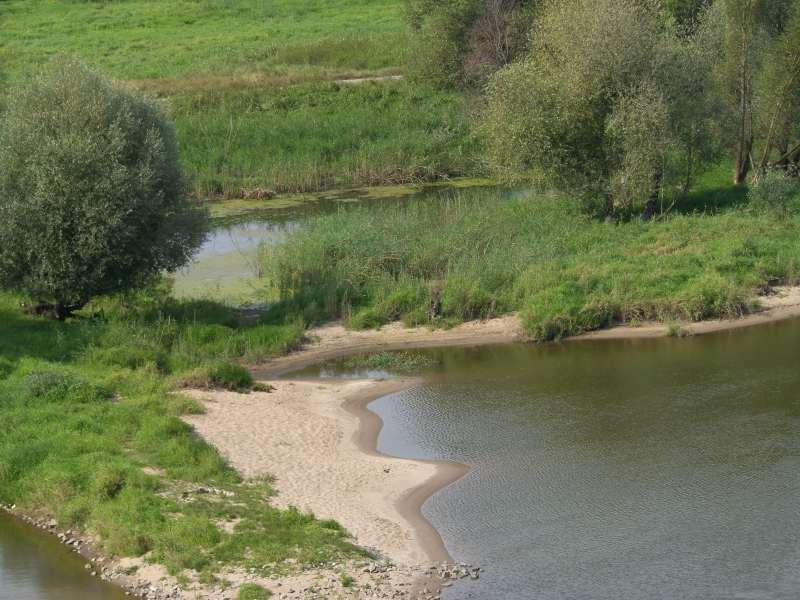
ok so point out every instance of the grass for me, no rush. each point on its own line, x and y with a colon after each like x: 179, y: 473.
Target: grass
x: 92, y: 435
x: 191, y: 41
x: 322, y: 136
x: 478, y: 256
x: 252, y: 591
x: 251, y: 86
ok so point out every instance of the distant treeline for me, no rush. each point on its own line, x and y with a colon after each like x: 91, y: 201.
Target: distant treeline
x: 622, y: 101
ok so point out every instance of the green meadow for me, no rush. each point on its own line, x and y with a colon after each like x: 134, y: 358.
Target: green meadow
x: 92, y: 435
x: 251, y: 87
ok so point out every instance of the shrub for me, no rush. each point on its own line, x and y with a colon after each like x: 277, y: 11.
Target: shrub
x: 223, y: 375
x: 776, y: 191
x: 461, y: 42
x: 252, y: 591
x: 92, y: 199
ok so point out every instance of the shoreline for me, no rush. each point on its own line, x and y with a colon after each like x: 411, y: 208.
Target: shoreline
x: 318, y: 439
x: 333, y: 341
x: 409, y: 504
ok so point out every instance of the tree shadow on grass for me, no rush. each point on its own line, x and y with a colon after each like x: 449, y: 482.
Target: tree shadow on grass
x: 713, y: 199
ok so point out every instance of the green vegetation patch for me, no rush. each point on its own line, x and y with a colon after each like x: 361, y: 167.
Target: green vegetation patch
x: 141, y: 39
x: 323, y: 136
x: 92, y: 435
x: 478, y: 256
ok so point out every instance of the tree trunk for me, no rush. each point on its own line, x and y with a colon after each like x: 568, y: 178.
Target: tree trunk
x: 744, y: 142
x: 742, y: 167
x: 609, y: 206
x: 651, y: 207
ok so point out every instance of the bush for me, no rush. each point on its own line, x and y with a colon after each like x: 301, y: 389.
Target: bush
x: 92, y: 199
x: 776, y: 191
x: 223, y: 375
x: 252, y: 591
x: 461, y: 42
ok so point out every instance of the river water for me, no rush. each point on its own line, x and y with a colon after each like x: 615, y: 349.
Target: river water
x: 616, y: 470
x: 34, y: 566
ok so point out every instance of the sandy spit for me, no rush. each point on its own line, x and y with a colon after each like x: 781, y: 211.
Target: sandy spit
x: 308, y: 435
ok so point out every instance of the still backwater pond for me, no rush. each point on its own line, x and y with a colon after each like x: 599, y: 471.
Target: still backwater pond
x: 616, y: 470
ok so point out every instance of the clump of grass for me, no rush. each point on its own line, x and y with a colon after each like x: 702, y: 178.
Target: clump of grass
x: 224, y: 375
x: 346, y: 580
x: 96, y: 440
x: 478, y: 256
x: 677, y: 330
x: 252, y: 591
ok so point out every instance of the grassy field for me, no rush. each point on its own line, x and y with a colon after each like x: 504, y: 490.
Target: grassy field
x: 192, y: 40
x: 251, y: 86
x: 482, y: 255
x: 321, y: 136
x: 91, y: 434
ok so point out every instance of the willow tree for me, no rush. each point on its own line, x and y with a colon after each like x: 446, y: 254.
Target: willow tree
x: 92, y: 199
x: 777, y: 101
x: 459, y: 43
x: 596, y: 107
x: 748, y: 31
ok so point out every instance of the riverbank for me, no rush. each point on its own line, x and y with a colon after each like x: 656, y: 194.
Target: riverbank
x: 334, y: 340
x: 318, y: 441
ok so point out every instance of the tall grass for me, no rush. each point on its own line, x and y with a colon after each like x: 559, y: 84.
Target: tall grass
x: 91, y: 435
x: 315, y: 137
x: 481, y: 256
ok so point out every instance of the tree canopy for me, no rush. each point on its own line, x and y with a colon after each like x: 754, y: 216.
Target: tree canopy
x: 92, y: 198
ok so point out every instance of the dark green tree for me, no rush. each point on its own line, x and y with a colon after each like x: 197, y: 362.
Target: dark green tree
x: 92, y: 198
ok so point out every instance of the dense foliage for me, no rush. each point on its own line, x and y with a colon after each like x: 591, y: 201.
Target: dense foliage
x: 461, y: 42
x: 620, y: 102
x: 92, y: 199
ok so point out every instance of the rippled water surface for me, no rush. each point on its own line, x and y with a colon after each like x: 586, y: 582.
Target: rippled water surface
x: 616, y: 470
x: 34, y: 566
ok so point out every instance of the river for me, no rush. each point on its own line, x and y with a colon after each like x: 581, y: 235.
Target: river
x: 34, y: 566
x: 599, y: 470
x: 616, y: 470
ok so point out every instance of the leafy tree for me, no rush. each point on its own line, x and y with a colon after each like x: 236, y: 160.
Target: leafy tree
x: 92, y: 199
x: 686, y: 14
x: 777, y: 102
x: 747, y: 31
x: 607, y: 99
x: 459, y: 43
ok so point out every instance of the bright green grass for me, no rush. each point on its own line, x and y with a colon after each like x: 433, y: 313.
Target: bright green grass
x: 478, y: 256
x: 146, y: 39
x: 251, y: 86
x: 316, y: 137
x: 91, y: 434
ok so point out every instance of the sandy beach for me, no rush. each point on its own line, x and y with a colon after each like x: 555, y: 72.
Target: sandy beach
x: 317, y: 440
